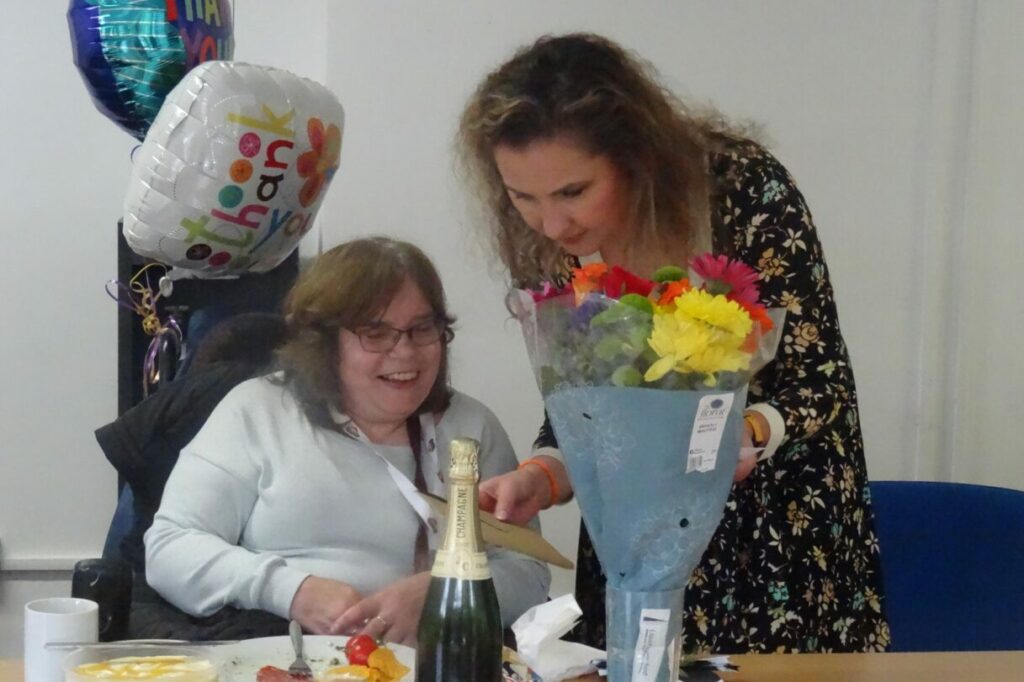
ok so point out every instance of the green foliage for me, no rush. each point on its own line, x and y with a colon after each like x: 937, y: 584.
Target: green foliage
x: 669, y: 273
x: 548, y: 379
x: 609, y: 347
x: 641, y: 303
x: 627, y: 375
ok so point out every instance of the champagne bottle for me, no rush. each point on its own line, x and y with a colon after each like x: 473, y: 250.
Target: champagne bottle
x: 459, y: 637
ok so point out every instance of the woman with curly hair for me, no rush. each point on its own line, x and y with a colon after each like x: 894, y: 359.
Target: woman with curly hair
x: 578, y: 154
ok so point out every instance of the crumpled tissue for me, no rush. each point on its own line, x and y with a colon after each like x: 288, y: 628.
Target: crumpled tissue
x: 538, y: 633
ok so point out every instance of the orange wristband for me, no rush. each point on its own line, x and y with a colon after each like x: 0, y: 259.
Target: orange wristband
x: 552, y: 483
x: 760, y: 437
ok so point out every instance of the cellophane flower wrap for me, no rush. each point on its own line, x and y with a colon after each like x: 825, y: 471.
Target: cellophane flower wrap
x: 644, y: 382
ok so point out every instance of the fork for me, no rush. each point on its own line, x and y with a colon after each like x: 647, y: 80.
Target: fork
x: 299, y: 668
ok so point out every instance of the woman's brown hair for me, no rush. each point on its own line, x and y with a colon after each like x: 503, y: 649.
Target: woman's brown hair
x: 347, y: 287
x: 607, y: 100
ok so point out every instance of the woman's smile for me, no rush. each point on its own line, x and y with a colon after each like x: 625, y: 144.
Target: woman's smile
x: 401, y: 379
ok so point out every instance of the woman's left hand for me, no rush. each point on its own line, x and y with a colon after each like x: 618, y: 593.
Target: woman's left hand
x: 391, y: 614
x: 516, y: 496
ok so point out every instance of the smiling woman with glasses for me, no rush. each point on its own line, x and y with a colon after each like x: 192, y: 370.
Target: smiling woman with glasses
x: 300, y: 495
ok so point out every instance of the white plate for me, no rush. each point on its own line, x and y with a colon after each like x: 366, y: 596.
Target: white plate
x: 242, y: 659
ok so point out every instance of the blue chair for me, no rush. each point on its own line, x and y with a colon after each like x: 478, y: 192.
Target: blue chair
x: 952, y: 565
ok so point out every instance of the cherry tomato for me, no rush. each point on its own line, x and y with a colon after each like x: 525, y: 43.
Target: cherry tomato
x: 359, y: 648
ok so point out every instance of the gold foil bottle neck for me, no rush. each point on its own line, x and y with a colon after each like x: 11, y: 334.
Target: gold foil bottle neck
x: 464, y: 458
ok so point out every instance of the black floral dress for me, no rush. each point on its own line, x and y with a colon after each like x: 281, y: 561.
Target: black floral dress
x: 794, y: 565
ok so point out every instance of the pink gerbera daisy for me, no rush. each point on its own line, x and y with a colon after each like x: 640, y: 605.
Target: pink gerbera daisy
x: 549, y: 291
x: 723, y: 275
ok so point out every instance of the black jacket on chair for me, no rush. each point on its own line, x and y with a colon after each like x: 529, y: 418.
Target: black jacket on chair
x: 143, y: 445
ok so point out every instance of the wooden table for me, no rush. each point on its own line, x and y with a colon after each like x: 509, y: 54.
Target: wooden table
x: 999, y: 666
x: 986, y: 666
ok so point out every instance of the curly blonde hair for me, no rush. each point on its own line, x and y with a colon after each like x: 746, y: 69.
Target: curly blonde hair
x: 347, y: 287
x: 609, y: 101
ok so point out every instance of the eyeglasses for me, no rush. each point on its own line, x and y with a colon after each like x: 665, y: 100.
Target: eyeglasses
x: 381, y: 338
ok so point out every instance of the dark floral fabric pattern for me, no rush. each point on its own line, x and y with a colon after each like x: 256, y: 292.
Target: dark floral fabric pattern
x: 794, y: 565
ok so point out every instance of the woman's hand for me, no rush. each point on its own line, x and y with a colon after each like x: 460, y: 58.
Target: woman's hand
x: 519, y: 495
x: 320, y: 601
x: 391, y: 614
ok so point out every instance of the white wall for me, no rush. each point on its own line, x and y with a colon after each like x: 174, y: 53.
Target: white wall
x: 900, y: 122
x: 870, y: 105
x: 987, y: 445
x: 64, y: 173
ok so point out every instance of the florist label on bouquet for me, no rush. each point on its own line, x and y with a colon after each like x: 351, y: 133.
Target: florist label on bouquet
x: 706, y: 435
x: 650, y: 644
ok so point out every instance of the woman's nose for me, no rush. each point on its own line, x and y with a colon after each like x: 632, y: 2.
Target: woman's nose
x: 404, y: 346
x: 554, y: 223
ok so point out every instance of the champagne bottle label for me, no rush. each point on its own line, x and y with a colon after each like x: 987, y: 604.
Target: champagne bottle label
x: 461, y: 556
x: 461, y: 565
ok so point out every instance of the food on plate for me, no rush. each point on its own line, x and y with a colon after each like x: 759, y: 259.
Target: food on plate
x: 166, y: 667
x: 368, y: 661
x: 381, y: 666
x: 269, y: 673
x: 359, y: 648
x: 350, y: 673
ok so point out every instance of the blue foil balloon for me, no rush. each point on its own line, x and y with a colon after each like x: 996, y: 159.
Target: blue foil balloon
x: 132, y: 52
x: 205, y: 27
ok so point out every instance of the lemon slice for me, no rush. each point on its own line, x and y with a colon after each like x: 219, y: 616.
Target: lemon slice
x: 178, y: 668
x: 347, y: 673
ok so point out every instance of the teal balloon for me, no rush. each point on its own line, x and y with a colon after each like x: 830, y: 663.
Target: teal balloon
x: 130, y: 53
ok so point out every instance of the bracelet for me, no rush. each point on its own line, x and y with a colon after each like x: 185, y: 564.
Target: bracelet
x: 552, y: 483
x: 760, y: 438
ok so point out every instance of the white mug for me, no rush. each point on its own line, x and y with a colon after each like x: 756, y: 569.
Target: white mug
x: 58, y: 619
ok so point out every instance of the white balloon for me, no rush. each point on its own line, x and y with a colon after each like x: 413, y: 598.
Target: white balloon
x: 233, y: 169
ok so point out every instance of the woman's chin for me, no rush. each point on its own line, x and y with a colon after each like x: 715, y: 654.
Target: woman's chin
x: 407, y: 394
x: 580, y: 248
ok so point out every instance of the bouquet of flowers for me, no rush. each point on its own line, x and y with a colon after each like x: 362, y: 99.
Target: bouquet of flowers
x: 644, y: 382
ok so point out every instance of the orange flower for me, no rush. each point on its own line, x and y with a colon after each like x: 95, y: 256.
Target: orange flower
x: 673, y: 290
x: 588, y: 279
x: 758, y: 314
x: 318, y: 164
x: 762, y: 324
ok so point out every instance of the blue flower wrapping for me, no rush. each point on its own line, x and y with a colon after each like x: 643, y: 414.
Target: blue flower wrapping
x: 627, y: 454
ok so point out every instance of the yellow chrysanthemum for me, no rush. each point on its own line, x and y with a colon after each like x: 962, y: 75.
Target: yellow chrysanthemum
x: 699, y: 333
x: 716, y: 311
